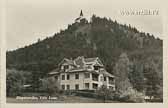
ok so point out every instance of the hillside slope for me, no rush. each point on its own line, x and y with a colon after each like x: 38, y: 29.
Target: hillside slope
x: 101, y: 37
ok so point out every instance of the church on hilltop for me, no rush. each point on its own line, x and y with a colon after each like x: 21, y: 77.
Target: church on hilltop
x: 80, y: 17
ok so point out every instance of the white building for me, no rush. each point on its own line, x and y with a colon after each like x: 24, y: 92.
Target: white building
x: 82, y: 74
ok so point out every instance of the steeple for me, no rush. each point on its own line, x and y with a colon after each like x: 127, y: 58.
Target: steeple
x: 80, y: 17
x: 81, y: 14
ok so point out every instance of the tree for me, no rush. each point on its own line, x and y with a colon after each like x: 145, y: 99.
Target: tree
x: 14, y: 83
x: 50, y: 85
x: 136, y: 76
x: 154, y: 82
x: 121, y: 72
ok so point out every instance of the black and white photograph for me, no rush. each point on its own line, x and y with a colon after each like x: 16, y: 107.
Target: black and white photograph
x: 84, y: 51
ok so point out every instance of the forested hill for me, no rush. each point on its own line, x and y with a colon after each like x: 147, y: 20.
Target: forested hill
x: 101, y: 37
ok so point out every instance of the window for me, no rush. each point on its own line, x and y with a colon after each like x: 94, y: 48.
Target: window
x: 86, y: 85
x: 68, y: 87
x: 101, y: 78
x: 87, y: 75
x: 76, y: 76
x: 68, y: 77
x: 76, y: 86
x: 96, y: 68
x: 104, y: 78
x: 56, y: 77
x: 112, y: 88
x: 66, y: 66
x: 95, y: 86
x: 63, y: 77
x: 63, y: 87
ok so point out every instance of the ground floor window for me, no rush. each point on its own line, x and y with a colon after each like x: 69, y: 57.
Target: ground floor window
x: 86, y: 85
x: 76, y: 86
x: 111, y: 87
x: 68, y: 87
x: 95, y: 86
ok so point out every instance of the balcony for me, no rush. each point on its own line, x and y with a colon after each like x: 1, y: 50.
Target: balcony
x: 111, y: 81
x: 95, y: 77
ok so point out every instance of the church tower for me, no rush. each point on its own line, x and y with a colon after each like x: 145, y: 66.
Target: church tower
x: 81, y: 14
x: 80, y: 17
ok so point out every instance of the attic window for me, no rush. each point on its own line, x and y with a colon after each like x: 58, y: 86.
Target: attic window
x: 96, y: 68
x: 66, y: 67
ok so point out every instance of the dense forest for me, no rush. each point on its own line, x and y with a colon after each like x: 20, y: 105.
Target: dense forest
x: 134, y: 57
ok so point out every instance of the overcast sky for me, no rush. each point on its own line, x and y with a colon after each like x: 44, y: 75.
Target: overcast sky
x: 28, y: 20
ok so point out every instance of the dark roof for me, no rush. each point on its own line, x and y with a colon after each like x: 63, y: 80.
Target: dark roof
x: 68, y: 61
x: 55, y: 70
x: 104, y: 72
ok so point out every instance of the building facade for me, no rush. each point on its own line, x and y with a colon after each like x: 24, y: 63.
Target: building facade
x: 82, y: 74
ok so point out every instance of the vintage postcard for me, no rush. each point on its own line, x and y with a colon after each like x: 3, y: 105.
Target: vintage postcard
x: 83, y: 51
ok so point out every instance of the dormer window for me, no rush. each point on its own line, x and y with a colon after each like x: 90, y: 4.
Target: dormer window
x: 96, y: 68
x: 65, y: 67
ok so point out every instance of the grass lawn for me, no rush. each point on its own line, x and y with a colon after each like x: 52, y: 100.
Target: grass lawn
x: 65, y: 99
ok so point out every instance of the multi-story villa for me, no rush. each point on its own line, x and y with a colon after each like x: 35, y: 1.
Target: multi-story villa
x: 82, y: 74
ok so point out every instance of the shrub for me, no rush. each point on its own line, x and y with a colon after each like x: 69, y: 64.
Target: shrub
x: 105, y: 93
x: 132, y: 95
x: 50, y: 86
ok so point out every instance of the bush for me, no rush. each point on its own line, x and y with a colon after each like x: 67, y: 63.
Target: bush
x: 50, y: 86
x: 105, y: 93
x: 132, y: 95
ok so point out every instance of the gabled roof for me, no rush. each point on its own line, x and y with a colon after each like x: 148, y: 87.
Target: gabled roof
x: 68, y: 61
x: 94, y: 60
x: 104, y: 72
x: 79, y: 65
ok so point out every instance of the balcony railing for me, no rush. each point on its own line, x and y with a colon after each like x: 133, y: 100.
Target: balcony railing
x: 95, y: 79
x: 111, y: 82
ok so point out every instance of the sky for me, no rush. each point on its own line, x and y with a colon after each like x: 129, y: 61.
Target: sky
x: 29, y: 20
